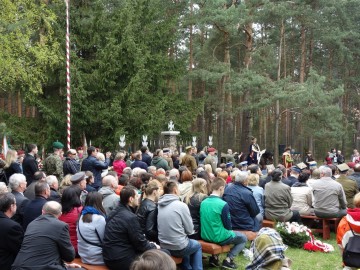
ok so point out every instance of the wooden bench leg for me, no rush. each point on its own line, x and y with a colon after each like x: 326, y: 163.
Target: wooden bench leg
x: 326, y: 229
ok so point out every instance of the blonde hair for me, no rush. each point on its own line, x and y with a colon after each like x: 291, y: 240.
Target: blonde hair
x: 66, y: 181
x: 199, y: 187
x: 357, y: 200
x: 11, y: 156
x: 253, y: 179
x: 100, y: 156
x: 119, y: 156
x: 208, y: 168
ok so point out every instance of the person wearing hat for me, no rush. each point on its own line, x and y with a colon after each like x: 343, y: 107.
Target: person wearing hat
x: 167, y: 157
x: 243, y: 166
x: 293, y: 177
x: 188, y: 160
x: 287, y: 159
x: 53, y: 164
x: 210, y: 159
x: 350, y: 187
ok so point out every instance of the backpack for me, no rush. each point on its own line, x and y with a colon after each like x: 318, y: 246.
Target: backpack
x: 351, y: 254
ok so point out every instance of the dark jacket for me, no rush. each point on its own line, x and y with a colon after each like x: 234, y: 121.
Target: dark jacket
x: 160, y: 162
x: 30, y: 166
x: 139, y: 164
x: 13, y: 168
x: 243, y: 207
x: 21, y: 203
x: 54, y: 196
x: 95, y: 166
x: 147, y: 215
x: 146, y: 158
x: 33, y: 210
x: 46, y: 245
x: 71, y: 166
x: 356, y: 177
x: 194, y: 207
x: 290, y: 180
x: 123, y: 237
x: 11, y: 235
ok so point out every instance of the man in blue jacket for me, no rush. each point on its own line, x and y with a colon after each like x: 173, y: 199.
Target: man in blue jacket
x: 91, y: 163
x: 242, y: 204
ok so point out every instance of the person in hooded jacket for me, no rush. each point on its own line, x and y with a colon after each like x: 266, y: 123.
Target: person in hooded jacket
x: 158, y: 161
x: 174, y: 226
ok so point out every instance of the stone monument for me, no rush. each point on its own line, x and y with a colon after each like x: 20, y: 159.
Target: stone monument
x: 170, y: 136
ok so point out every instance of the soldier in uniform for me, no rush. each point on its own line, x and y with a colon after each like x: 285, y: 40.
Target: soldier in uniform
x: 350, y: 187
x: 188, y: 160
x: 230, y: 157
x: 210, y: 159
x: 53, y: 164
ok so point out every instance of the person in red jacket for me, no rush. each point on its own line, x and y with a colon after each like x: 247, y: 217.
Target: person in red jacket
x: 351, y: 219
x: 71, y: 210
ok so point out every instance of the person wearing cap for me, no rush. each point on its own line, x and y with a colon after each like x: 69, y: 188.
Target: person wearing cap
x: 350, y: 187
x: 210, y: 159
x: 287, y: 159
x: 53, y: 164
x: 195, y: 154
x: 188, y: 160
x: 329, y: 199
x: 293, y: 177
x: 243, y: 165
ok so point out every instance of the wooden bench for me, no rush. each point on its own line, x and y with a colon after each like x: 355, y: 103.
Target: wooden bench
x: 249, y: 234
x: 90, y: 266
x: 325, y: 225
x: 177, y: 260
x: 212, y: 248
x: 268, y: 223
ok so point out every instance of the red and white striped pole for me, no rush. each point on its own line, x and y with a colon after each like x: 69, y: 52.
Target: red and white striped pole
x: 68, y: 97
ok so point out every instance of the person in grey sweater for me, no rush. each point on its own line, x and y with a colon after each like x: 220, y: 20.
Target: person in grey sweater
x: 110, y: 198
x: 174, y: 226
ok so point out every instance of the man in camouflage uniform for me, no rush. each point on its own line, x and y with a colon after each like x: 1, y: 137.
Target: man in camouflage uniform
x: 53, y: 164
x: 189, y: 161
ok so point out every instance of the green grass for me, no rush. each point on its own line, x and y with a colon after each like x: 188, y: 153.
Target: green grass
x: 301, y: 259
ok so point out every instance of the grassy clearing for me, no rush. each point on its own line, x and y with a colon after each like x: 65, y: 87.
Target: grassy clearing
x: 302, y: 259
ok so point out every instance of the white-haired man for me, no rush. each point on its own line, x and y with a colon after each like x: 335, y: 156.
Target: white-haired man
x: 110, y: 198
x: 17, y: 183
x: 328, y: 196
x: 54, y: 186
x: 242, y: 204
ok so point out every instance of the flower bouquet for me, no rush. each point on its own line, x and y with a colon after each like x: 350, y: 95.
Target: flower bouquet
x: 293, y: 234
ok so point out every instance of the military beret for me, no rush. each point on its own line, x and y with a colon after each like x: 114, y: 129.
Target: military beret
x: 211, y: 149
x: 58, y: 145
x: 77, y: 177
x: 188, y: 147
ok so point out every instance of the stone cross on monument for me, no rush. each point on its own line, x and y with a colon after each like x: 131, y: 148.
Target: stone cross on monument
x: 170, y: 136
